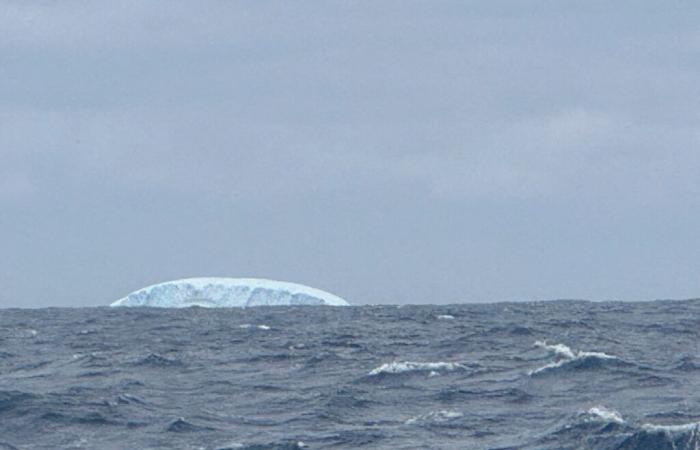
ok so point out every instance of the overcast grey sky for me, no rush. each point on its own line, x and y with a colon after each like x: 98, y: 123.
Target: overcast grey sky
x: 386, y: 151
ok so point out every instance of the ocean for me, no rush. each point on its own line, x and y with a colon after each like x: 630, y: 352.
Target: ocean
x: 543, y: 375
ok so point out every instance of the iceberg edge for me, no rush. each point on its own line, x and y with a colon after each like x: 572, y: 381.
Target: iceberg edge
x: 227, y: 292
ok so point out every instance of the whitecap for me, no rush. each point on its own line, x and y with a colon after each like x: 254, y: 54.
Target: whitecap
x: 557, y: 349
x: 247, y: 326
x: 672, y: 429
x: 409, y: 366
x: 601, y: 413
x: 231, y: 446
x: 435, y: 417
x: 445, y: 317
x: 19, y: 333
x: 605, y: 414
x: 683, y: 436
x: 567, y: 356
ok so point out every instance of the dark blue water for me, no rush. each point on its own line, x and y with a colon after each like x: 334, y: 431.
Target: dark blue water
x: 558, y: 375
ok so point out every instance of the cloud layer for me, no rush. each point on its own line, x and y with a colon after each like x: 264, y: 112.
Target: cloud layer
x: 394, y: 152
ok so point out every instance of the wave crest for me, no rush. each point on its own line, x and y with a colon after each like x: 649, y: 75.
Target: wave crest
x: 435, y: 417
x: 605, y: 414
x: 605, y: 428
x: 398, y: 367
x: 566, y: 357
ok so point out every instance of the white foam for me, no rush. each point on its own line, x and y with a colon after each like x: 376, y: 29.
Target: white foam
x: 682, y: 428
x: 409, y: 366
x: 607, y: 415
x: 232, y: 445
x: 435, y: 416
x: 247, y: 326
x: 557, y: 349
x: 566, y: 355
x: 610, y: 415
x: 19, y: 333
x: 445, y: 317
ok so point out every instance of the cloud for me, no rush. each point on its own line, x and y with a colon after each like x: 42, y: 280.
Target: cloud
x: 218, y: 152
x: 400, y: 123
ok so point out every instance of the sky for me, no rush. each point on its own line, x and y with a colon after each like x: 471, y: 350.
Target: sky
x: 388, y: 152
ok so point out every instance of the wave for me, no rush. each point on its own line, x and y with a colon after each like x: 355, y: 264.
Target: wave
x: 128, y: 399
x: 343, y: 401
x: 605, y: 414
x: 398, y: 367
x: 78, y: 418
x: 183, y: 426
x: 605, y: 428
x: 231, y: 446
x: 568, y: 358
x: 247, y: 326
x: 10, y: 400
x: 92, y: 359
x: 18, y: 333
x: 434, y: 417
x: 156, y: 360
x: 285, y: 445
x: 687, y: 364
x: 509, y: 395
x: 445, y: 317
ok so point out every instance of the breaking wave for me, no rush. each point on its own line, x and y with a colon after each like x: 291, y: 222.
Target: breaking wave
x: 601, y: 428
x: 398, y: 367
x: 247, y: 326
x: 605, y: 414
x: 434, y: 417
x: 446, y: 317
x: 377, y: 377
x: 565, y: 358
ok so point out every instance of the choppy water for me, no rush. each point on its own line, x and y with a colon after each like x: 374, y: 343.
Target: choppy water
x: 559, y: 375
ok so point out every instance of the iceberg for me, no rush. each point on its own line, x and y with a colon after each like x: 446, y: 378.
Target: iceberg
x: 228, y: 292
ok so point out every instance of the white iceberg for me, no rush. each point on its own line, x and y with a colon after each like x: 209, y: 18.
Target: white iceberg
x: 228, y: 292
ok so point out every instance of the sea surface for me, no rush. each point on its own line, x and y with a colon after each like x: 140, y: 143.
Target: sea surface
x: 547, y: 375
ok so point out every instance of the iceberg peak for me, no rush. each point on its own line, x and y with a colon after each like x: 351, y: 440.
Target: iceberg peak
x: 228, y: 292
